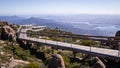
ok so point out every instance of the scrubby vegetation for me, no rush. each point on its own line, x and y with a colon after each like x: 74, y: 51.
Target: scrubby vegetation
x: 62, y: 36
x: 33, y: 65
x: 90, y: 43
x: 40, y: 57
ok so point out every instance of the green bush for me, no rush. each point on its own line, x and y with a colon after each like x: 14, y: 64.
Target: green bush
x: 89, y: 43
x: 22, y: 54
x: 32, y: 65
x: 4, y: 58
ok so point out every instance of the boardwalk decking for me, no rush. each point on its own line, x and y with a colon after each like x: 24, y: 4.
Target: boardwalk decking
x: 102, y: 52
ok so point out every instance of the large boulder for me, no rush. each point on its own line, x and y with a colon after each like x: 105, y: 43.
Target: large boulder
x: 117, y: 34
x: 8, y: 33
x: 116, y: 44
x: 56, y: 62
x: 99, y: 63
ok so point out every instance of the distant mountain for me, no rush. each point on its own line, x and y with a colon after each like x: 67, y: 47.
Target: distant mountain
x: 93, y: 25
x: 32, y: 20
x: 35, y: 21
x: 39, y: 21
x: 10, y: 18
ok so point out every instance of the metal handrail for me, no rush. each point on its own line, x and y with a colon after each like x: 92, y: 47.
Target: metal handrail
x: 96, y: 38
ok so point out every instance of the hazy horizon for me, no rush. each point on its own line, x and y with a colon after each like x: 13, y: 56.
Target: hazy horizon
x: 105, y: 25
x: 98, y: 17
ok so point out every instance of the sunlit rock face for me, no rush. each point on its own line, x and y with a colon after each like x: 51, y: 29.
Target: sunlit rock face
x: 8, y: 33
x: 56, y: 62
x: 99, y: 63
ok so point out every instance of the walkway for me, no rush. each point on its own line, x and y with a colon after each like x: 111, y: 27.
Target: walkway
x: 102, y: 52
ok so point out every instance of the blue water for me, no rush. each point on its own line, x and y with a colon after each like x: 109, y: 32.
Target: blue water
x: 103, y: 29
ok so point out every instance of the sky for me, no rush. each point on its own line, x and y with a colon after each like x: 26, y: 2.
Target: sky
x: 59, y: 7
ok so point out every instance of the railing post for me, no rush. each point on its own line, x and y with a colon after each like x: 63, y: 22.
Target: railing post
x: 109, y: 41
x: 0, y: 54
x: 71, y: 41
x: 52, y: 50
x: 119, y: 50
x: 45, y: 40
x: 56, y: 41
x: 36, y: 37
x: 74, y: 54
x: 23, y: 35
x: 90, y: 45
x: 71, y: 45
x: 29, y: 37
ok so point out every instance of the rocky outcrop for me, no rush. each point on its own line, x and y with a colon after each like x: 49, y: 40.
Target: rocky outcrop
x: 99, y: 63
x: 56, y: 62
x: 8, y: 33
x: 3, y: 23
x: 116, y: 44
x: 1, y: 42
x: 117, y: 34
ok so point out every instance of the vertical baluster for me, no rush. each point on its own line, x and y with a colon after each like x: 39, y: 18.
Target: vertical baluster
x: 119, y: 50
x: 71, y: 42
x: 90, y: 45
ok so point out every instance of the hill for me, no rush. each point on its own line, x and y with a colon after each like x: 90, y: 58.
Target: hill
x: 104, y: 25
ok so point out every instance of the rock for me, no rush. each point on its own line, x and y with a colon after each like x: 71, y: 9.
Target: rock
x: 56, y: 62
x: 3, y: 23
x: 117, y: 34
x: 116, y: 44
x: 1, y: 42
x: 99, y: 63
x: 8, y: 33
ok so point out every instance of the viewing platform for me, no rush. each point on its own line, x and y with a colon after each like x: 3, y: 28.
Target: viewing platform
x: 101, y: 52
